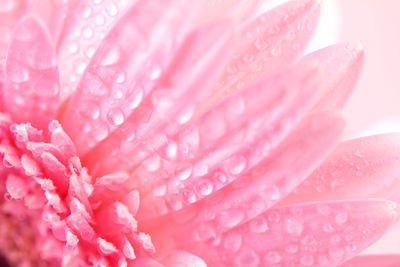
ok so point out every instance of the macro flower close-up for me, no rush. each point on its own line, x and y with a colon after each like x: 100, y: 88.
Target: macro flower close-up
x: 185, y: 133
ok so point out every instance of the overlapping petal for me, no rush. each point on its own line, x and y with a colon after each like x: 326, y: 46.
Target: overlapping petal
x: 209, y: 143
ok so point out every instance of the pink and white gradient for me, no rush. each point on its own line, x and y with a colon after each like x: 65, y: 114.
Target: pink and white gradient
x: 133, y: 135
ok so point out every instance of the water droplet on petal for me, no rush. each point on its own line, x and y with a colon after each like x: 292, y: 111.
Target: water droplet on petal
x: 294, y: 226
x: 341, y: 218
x: 233, y: 242
x: 231, y: 218
x: 247, y: 258
x: 273, y: 257
x: 204, y: 187
x: 259, y: 225
x: 115, y: 117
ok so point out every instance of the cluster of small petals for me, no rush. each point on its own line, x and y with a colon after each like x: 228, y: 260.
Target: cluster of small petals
x: 46, y: 184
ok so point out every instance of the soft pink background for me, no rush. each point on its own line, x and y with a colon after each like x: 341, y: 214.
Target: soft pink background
x: 375, y: 105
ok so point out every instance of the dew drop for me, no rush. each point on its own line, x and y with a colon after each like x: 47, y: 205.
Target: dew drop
x: 121, y: 78
x: 100, y: 20
x: 86, y: 12
x: 341, y: 218
x: 259, y: 225
x: 73, y: 49
x: 247, y: 258
x: 185, y: 115
x: 88, y: 33
x: 19, y: 75
x: 189, y: 196
x: 274, y: 217
x: 183, y: 175
x: 204, y: 187
x: 160, y: 191
x: 233, y: 242
x: 135, y: 99
x: 276, y: 51
x: 260, y: 44
x: 236, y: 165
x: 89, y: 109
x: 155, y: 73
x: 200, y: 169
x: 294, y: 226
x: 204, y: 233
x: 112, y: 9
x: 115, y: 117
x: 230, y: 218
x: 273, y: 257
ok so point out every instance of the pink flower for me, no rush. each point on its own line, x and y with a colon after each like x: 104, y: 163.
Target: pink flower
x: 171, y: 133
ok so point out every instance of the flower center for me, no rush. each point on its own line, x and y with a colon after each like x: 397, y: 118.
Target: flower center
x: 52, y: 202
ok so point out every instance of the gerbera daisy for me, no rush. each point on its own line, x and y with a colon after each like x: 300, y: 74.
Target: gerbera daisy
x: 183, y: 133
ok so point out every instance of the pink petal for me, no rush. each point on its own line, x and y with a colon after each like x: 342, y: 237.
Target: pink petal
x: 180, y: 91
x: 258, y: 189
x: 364, y: 167
x: 267, y: 44
x: 316, y: 234
x: 124, y: 70
x: 228, y: 151
x: 85, y: 26
x: 374, y: 261
x: 31, y: 87
x: 342, y: 65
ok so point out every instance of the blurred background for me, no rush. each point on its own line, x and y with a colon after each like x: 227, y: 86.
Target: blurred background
x: 375, y: 104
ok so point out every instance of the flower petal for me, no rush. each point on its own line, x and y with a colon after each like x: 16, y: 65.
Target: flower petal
x: 342, y: 65
x: 316, y: 234
x: 85, y: 27
x: 261, y: 187
x: 124, y: 69
x: 267, y: 44
x: 180, y: 91
x: 360, y: 168
x: 31, y: 88
x: 374, y: 260
x: 228, y: 151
